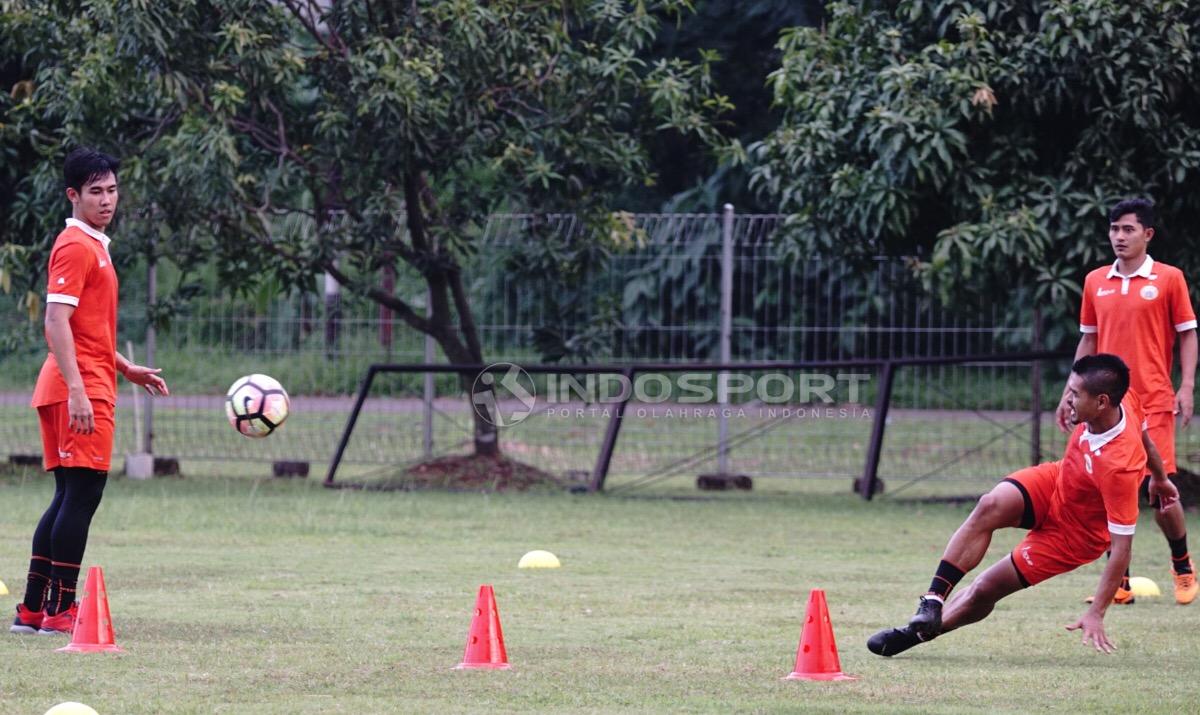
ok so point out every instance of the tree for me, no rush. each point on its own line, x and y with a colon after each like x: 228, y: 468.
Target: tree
x: 344, y: 136
x: 744, y: 34
x: 988, y: 138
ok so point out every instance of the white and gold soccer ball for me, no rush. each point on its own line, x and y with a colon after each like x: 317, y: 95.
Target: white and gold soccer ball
x: 256, y: 405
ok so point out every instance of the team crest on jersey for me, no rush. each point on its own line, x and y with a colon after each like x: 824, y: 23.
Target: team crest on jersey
x: 1087, y: 462
x: 1149, y: 292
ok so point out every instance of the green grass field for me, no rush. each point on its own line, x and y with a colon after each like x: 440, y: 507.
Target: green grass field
x: 238, y: 595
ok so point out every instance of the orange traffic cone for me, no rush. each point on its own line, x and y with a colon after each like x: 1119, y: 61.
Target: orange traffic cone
x: 485, y: 641
x: 817, y: 655
x: 93, y: 630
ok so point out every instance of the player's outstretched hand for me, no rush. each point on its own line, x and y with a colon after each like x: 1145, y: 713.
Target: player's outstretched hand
x: 1062, y: 417
x: 148, y: 378
x: 1166, y: 493
x: 1093, y: 632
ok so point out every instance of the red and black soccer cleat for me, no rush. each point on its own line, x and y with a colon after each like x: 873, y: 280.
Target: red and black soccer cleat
x: 27, y: 621
x: 59, y: 623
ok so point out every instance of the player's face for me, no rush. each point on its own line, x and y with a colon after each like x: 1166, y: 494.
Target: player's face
x: 1128, y: 237
x: 1084, y: 406
x: 96, y: 202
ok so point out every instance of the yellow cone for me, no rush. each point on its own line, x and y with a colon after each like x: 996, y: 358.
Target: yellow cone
x: 538, y: 560
x: 1142, y: 586
x: 3, y: 589
x: 71, y: 709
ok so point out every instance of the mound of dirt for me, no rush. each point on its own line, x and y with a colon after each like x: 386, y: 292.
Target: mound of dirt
x: 472, y: 473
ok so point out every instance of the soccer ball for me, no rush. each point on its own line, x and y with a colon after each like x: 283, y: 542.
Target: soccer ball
x: 256, y: 405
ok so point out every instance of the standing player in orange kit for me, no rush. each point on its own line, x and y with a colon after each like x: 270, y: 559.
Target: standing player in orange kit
x: 76, y: 391
x: 1135, y: 308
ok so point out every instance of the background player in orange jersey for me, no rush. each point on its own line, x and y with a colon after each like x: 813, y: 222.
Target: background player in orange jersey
x: 76, y: 391
x: 1074, y: 509
x: 1135, y: 308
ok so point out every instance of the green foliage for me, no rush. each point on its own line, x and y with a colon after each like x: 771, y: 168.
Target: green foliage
x: 989, y: 138
x: 233, y: 118
x: 297, y: 137
x: 743, y: 34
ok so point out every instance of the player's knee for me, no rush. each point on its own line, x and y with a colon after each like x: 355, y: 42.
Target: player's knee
x: 994, y: 511
x: 978, y: 595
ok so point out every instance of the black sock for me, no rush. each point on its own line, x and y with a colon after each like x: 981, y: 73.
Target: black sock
x: 945, y: 579
x: 68, y: 537
x: 1181, y: 561
x: 37, y: 583
x: 62, y: 588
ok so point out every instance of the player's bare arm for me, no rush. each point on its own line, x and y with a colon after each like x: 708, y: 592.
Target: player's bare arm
x: 1062, y: 415
x: 1092, y: 621
x: 147, y: 377
x: 62, y: 344
x: 1187, y: 366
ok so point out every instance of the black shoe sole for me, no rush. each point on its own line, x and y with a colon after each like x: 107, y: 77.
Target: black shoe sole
x: 892, y: 641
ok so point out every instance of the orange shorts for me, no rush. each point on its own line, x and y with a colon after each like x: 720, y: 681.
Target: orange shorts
x: 63, y: 448
x: 1044, y: 551
x: 1161, y: 426
x: 1037, y: 486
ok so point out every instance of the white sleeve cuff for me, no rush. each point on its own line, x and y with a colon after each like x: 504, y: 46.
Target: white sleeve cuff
x: 62, y: 298
x: 1121, y: 529
x: 1189, y: 325
x: 1089, y: 328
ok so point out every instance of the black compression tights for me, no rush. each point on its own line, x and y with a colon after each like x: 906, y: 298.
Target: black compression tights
x: 61, y: 537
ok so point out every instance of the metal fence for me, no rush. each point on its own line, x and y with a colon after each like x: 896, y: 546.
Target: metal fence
x: 664, y: 288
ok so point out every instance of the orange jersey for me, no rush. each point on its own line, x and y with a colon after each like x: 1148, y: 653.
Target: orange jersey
x: 1097, y: 490
x: 1136, y: 318
x: 81, y: 274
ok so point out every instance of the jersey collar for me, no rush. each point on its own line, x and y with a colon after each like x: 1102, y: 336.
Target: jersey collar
x: 76, y: 223
x: 1142, y: 272
x: 1096, y: 441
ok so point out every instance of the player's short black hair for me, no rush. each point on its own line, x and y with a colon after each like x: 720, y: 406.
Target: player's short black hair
x: 1103, y: 374
x: 1143, y: 208
x: 85, y: 164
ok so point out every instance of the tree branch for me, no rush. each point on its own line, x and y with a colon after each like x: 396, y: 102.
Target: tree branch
x: 166, y: 120
x: 414, y: 215
x: 401, y: 308
x: 328, y: 42
x: 466, y: 319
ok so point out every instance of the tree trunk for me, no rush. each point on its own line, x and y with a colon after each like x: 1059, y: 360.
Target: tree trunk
x: 480, y: 394
x: 333, y: 316
x: 487, y: 436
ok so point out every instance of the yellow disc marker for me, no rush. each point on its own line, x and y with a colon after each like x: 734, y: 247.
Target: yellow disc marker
x: 71, y: 709
x: 538, y: 560
x: 3, y: 589
x: 1142, y: 586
